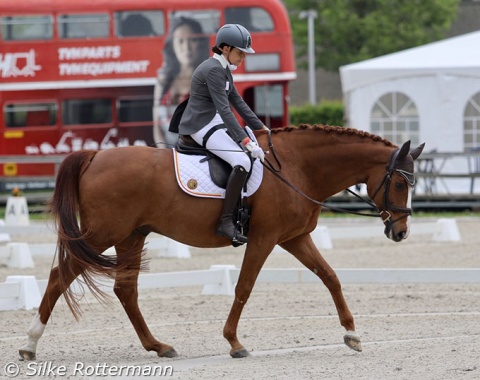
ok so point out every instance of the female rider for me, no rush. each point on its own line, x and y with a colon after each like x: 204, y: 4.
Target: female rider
x: 211, y: 93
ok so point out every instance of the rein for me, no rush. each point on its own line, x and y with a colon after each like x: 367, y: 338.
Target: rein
x: 409, y: 177
x: 323, y: 204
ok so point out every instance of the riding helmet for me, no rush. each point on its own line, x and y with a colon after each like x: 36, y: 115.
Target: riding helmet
x: 235, y: 35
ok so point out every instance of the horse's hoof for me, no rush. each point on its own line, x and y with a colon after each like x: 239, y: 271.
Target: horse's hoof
x: 241, y: 353
x: 352, y: 340
x: 27, y: 355
x: 170, y: 353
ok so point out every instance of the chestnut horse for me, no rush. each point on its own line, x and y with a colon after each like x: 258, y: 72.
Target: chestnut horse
x: 123, y: 194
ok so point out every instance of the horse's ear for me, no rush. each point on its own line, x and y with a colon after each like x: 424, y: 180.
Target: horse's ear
x: 416, y: 152
x: 403, y: 151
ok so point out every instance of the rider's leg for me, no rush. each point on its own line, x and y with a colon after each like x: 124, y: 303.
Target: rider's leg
x: 226, y: 226
x: 222, y: 145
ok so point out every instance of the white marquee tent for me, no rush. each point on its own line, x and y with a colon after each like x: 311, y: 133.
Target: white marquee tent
x: 440, y: 78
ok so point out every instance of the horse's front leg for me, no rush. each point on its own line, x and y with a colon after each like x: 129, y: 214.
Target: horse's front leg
x: 303, y: 248
x: 253, y: 261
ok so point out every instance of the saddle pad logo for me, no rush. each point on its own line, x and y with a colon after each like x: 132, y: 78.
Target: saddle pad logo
x: 192, y: 184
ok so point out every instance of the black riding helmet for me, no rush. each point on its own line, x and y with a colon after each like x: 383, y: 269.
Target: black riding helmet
x: 235, y: 35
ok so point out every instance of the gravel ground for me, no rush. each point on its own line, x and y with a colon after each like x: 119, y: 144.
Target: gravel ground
x: 409, y: 331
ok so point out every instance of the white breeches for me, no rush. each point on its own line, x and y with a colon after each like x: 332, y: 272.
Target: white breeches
x: 222, y: 145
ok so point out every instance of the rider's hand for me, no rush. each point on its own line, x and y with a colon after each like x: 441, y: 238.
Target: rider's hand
x: 254, y: 149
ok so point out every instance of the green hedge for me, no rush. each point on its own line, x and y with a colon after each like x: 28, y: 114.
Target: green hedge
x: 327, y: 112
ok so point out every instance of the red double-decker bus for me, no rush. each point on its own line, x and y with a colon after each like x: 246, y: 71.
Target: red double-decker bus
x: 91, y: 75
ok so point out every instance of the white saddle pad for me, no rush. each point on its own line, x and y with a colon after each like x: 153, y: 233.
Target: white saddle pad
x: 193, y: 177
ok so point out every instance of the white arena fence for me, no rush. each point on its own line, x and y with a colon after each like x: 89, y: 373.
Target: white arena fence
x: 25, y: 291
x: 19, y: 255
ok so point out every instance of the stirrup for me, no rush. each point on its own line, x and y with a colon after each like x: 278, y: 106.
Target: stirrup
x: 237, y: 238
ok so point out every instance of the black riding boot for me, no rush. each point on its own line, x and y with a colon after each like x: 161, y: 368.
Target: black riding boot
x: 226, y: 226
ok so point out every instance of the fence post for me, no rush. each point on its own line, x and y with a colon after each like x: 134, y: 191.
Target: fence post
x: 226, y: 287
x: 168, y: 248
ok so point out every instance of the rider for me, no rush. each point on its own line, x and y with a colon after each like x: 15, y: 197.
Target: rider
x: 208, y: 116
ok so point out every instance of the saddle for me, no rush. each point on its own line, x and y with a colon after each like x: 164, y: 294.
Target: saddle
x: 219, y: 169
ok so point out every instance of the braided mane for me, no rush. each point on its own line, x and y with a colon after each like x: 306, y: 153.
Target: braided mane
x: 334, y: 129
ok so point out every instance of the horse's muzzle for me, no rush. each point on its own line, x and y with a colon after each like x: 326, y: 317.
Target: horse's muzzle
x: 400, y: 236
x: 395, y: 236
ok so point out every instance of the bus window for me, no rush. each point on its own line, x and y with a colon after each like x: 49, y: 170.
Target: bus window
x: 30, y: 114
x: 267, y: 103
x: 87, y: 111
x: 262, y: 62
x: 209, y: 19
x: 139, y: 24
x: 23, y: 28
x: 135, y: 110
x: 253, y: 18
x: 83, y: 26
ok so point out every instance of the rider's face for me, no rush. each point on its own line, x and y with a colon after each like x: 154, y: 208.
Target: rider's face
x: 235, y: 56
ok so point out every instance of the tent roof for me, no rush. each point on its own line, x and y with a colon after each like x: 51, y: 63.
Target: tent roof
x: 455, y: 56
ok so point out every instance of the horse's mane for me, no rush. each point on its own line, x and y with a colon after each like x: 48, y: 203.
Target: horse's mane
x: 334, y: 129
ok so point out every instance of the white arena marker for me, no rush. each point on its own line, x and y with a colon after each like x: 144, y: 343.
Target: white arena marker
x: 16, y: 212
x: 321, y: 237
x: 19, y: 256
x: 447, y: 231
x: 29, y: 297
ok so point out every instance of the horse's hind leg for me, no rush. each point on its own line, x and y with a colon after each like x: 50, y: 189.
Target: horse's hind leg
x: 54, y: 290
x: 127, y: 292
x: 303, y: 248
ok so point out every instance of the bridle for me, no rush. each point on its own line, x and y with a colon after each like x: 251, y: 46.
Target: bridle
x: 385, y: 182
x: 386, y: 204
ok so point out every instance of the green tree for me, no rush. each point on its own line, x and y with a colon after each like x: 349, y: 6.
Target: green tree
x: 348, y: 31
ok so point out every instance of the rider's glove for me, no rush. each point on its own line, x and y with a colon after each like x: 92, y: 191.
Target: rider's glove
x: 255, y: 150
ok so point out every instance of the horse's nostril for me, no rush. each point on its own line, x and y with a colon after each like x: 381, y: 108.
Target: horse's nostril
x: 401, y: 235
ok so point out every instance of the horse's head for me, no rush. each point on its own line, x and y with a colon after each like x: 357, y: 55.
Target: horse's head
x: 392, y: 195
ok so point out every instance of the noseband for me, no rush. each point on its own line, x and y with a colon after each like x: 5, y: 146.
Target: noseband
x: 387, y: 205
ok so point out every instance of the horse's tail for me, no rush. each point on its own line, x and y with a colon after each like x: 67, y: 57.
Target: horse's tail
x: 74, y: 254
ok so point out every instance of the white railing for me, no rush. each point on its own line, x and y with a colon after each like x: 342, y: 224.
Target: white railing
x: 18, y: 255
x: 25, y: 292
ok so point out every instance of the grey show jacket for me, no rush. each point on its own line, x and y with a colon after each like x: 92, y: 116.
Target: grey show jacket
x: 212, y: 90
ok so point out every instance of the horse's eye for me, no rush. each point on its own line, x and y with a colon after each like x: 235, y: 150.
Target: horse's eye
x: 399, y: 186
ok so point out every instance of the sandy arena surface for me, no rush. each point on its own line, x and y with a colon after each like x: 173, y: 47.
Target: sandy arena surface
x: 409, y: 331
